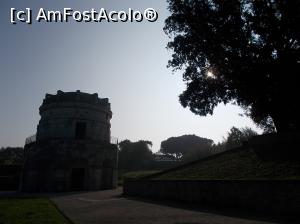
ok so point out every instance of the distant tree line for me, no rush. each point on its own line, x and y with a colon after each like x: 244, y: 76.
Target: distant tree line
x: 185, y: 148
x: 11, y: 156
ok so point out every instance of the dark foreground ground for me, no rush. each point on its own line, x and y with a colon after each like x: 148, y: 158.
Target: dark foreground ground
x: 110, y: 207
x: 105, y: 207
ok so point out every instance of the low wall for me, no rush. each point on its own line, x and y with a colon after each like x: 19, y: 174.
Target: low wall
x: 280, y: 197
x: 10, y: 177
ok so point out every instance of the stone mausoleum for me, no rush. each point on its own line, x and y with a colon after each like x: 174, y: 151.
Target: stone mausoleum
x: 72, y: 148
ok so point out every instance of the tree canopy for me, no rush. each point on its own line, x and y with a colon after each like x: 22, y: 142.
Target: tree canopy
x: 11, y: 156
x: 236, y: 136
x: 135, y: 155
x: 241, y: 51
x: 182, y: 145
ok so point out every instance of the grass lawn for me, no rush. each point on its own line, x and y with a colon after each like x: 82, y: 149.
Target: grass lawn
x: 29, y: 211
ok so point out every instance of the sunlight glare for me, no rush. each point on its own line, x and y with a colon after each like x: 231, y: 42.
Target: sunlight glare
x: 211, y: 75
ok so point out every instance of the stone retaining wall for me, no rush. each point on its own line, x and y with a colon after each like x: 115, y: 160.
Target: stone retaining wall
x: 280, y: 197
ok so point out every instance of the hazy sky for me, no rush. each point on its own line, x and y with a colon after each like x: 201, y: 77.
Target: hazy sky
x: 125, y: 62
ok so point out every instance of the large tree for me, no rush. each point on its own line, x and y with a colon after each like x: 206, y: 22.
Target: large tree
x: 185, y: 144
x: 135, y: 155
x: 236, y: 137
x: 11, y: 156
x: 241, y: 51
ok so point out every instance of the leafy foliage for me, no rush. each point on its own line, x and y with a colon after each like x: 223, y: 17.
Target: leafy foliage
x: 11, y: 156
x: 135, y: 155
x: 235, y: 138
x: 241, y: 51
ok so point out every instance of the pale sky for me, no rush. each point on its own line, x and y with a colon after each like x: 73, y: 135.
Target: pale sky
x: 125, y: 62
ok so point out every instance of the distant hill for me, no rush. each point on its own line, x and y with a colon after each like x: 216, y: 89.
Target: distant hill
x: 237, y: 164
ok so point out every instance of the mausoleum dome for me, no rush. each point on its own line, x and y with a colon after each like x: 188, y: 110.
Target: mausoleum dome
x: 74, y: 115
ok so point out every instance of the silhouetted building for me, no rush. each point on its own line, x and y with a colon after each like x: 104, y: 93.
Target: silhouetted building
x: 72, y: 148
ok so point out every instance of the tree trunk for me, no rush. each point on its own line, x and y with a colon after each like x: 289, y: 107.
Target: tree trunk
x: 285, y: 122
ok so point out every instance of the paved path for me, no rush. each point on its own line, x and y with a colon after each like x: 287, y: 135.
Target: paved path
x: 107, y: 207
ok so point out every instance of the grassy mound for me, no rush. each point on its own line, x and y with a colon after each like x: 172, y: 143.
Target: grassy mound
x: 236, y: 164
x: 133, y: 175
x: 139, y: 174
